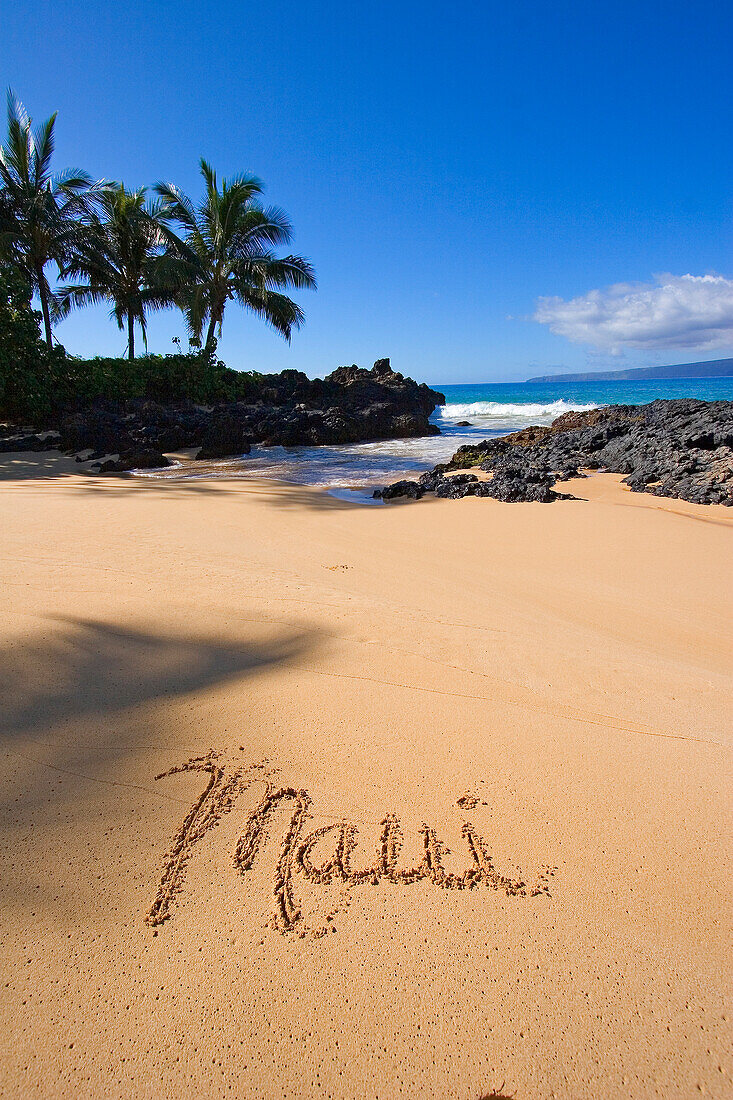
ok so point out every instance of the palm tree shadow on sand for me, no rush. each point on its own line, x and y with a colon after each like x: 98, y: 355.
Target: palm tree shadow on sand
x: 78, y: 670
x: 95, y: 668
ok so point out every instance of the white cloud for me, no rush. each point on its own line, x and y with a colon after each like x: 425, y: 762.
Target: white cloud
x: 677, y: 311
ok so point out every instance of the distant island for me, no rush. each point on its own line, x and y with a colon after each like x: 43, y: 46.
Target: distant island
x: 714, y: 368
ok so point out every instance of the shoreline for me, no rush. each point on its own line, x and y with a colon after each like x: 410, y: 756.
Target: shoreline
x: 597, y: 487
x: 128, y: 435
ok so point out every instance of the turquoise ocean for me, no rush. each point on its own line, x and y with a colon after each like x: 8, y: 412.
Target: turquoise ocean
x: 491, y: 409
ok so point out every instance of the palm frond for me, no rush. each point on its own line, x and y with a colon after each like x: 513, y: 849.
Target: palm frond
x: 272, y: 271
x: 67, y: 298
x: 177, y: 205
x: 16, y: 111
x: 279, y: 311
x: 197, y: 308
x: 209, y: 175
x: 246, y: 182
x: 70, y: 180
x: 43, y: 147
x: 258, y: 229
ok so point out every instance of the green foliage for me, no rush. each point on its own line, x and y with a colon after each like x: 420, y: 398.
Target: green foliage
x: 119, y: 254
x: 39, y: 212
x: 27, y: 367
x: 227, y: 254
x: 36, y: 383
x: 165, y: 378
x: 125, y: 252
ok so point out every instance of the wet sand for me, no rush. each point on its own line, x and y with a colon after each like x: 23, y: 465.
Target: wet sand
x: 442, y: 802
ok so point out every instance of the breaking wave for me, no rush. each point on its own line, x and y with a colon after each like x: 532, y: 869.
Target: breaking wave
x: 497, y: 410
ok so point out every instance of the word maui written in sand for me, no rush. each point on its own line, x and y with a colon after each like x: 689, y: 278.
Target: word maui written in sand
x: 296, y: 852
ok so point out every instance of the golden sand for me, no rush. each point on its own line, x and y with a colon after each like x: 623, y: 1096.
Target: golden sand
x: 442, y: 801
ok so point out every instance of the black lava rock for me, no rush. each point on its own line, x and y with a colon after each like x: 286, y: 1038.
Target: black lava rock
x: 225, y: 435
x: 459, y: 485
x: 351, y: 405
x: 17, y: 441
x: 134, y: 460
x: 678, y: 448
x: 399, y: 489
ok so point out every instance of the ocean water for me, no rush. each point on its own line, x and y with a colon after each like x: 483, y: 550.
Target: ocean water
x: 493, y: 409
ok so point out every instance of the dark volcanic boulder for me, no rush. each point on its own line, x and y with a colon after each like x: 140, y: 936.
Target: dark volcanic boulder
x: 457, y: 486
x: 166, y: 428
x: 13, y: 440
x: 225, y: 435
x: 134, y: 460
x: 102, y: 428
x: 108, y: 427
x: 430, y: 480
x: 361, y: 388
x: 514, y: 486
x: 670, y: 448
x: 399, y: 489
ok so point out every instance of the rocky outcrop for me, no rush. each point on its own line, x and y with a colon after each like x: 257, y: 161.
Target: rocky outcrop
x: 678, y: 449
x: 507, y: 485
x: 13, y: 439
x: 134, y: 460
x: 351, y: 405
x: 224, y: 436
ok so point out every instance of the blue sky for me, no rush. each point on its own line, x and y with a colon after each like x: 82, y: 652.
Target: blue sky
x: 446, y: 168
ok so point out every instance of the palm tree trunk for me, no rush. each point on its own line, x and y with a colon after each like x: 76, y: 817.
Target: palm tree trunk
x: 130, y: 336
x: 210, y: 332
x: 43, y: 294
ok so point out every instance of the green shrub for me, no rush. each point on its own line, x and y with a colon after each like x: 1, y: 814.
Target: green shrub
x: 35, y: 383
x: 166, y: 378
x: 27, y: 367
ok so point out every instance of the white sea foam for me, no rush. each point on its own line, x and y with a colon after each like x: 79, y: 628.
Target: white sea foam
x: 497, y: 410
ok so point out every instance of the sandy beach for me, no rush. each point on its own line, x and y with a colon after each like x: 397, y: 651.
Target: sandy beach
x: 307, y: 799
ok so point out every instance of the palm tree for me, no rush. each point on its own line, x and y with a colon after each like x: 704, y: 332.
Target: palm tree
x: 120, y: 257
x: 39, y: 212
x: 227, y: 253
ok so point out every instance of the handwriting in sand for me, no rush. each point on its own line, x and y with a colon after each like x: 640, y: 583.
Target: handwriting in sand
x: 226, y: 783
